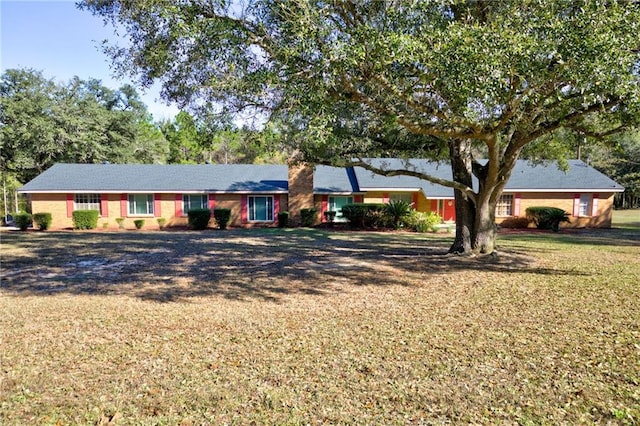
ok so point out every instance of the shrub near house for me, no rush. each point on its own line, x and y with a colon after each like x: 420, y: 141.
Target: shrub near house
x: 43, y: 220
x: 369, y: 215
x: 222, y: 217
x: 547, y: 217
x: 199, y: 218
x: 283, y: 219
x: 308, y: 217
x: 397, y: 210
x: 85, y: 219
x: 23, y: 220
x: 422, y: 222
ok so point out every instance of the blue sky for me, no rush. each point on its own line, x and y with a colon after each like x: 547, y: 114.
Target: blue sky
x: 61, y: 41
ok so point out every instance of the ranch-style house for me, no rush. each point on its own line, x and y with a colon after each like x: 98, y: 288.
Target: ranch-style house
x: 257, y: 193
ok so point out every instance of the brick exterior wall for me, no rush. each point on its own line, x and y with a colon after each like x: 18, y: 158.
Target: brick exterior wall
x: 565, y: 202
x: 233, y: 202
x: 56, y: 204
x: 301, y: 196
x: 318, y: 202
x: 300, y: 191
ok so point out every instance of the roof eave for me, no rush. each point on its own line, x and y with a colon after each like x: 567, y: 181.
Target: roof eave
x: 338, y: 193
x: 557, y: 190
x: 389, y: 188
x: 148, y: 191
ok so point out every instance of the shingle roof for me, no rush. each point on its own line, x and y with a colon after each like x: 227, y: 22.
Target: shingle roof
x: 526, y: 177
x: 251, y: 178
x: 328, y: 180
x: 370, y: 181
x: 580, y: 176
x: 160, y: 178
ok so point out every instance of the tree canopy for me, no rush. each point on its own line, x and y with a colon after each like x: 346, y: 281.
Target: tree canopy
x: 207, y: 139
x: 81, y: 121
x: 440, y: 79
x: 43, y: 121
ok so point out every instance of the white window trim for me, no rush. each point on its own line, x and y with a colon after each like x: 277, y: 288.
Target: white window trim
x: 89, y: 195
x: 506, y: 201
x: 585, y: 209
x: 273, y: 207
x: 130, y: 214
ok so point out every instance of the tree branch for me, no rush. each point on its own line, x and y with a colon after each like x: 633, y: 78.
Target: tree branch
x: 598, y: 135
x: 404, y: 172
x: 550, y: 126
x: 356, y: 95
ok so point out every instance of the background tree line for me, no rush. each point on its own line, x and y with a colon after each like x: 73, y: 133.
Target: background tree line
x: 43, y: 121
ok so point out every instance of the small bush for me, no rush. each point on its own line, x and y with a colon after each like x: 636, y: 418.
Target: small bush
x: 308, y: 217
x: 105, y: 225
x: 330, y: 217
x: 199, y: 218
x: 547, y: 217
x: 283, y: 219
x: 85, y: 219
x: 120, y: 222
x: 23, y: 220
x: 161, y: 222
x: 421, y: 221
x: 515, y: 222
x: 397, y: 210
x: 222, y: 217
x: 375, y: 218
x: 364, y: 215
x: 354, y: 214
x: 139, y: 223
x: 43, y: 220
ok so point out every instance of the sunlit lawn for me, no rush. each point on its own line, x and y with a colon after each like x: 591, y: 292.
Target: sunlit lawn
x: 627, y: 219
x: 308, y: 326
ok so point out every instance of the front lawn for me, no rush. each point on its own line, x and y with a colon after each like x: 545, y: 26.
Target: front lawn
x: 627, y: 219
x: 306, y: 326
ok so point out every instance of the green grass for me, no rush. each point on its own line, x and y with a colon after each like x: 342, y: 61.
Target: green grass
x: 286, y: 326
x: 629, y: 219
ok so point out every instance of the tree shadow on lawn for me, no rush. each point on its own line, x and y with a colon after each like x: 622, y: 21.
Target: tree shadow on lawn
x: 235, y: 264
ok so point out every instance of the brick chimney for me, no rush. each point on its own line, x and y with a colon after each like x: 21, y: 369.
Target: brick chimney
x: 300, y: 189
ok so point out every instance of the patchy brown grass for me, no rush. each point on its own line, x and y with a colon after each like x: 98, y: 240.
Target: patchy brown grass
x: 299, y: 326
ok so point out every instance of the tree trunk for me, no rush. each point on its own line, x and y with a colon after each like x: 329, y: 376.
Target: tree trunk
x: 484, y: 238
x: 475, y: 225
x: 465, y: 221
x: 460, y: 154
x: 475, y: 218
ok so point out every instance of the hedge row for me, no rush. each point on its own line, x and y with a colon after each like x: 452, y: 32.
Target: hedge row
x: 396, y: 214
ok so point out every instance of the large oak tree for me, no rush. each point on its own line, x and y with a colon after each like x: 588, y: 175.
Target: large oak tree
x: 452, y: 79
